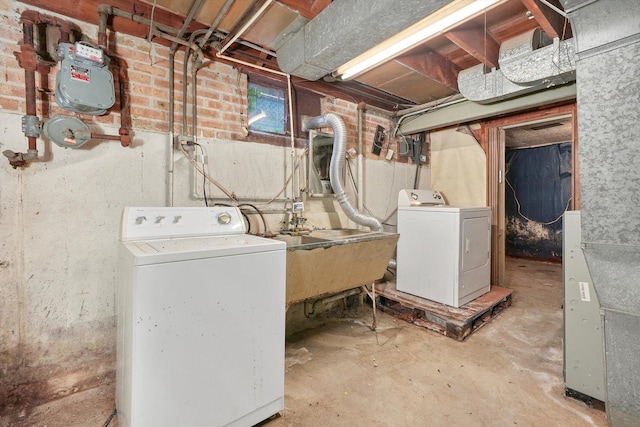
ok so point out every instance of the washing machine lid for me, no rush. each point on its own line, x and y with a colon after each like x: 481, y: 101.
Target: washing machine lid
x: 420, y: 198
x: 193, y: 248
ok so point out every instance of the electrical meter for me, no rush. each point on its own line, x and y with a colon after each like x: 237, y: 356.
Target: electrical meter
x: 84, y: 83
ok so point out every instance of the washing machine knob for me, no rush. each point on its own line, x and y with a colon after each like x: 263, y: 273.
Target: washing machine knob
x: 224, y: 218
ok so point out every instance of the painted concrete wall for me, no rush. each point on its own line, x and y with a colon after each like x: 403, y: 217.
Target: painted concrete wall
x: 458, y: 168
x: 59, y: 217
x: 59, y: 224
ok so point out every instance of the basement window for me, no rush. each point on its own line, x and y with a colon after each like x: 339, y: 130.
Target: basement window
x: 266, y: 109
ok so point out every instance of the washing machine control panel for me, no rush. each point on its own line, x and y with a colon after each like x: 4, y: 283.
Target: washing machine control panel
x: 167, y: 222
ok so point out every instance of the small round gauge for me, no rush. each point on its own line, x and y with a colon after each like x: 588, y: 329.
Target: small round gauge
x: 224, y: 218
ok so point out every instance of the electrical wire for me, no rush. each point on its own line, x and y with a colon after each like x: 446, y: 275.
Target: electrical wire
x: 113, y: 414
x: 207, y: 176
x: 264, y: 222
x: 284, y: 187
x: 246, y: 218
x: 230, y: 195
x: 204, y: 179
x: 515, y: 197
x: 150, y: 36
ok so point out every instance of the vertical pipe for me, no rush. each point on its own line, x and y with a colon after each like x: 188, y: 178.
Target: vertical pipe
x: 171, y: 160
x: 360, y: 177
x: 185, y: 70
x: 30, y: 83
x: 194, y: 97
x: 293, y: 139
x: 125, y: 139
x: 103, y: 16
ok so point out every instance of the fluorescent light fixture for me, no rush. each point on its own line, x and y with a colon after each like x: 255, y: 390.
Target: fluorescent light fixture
x: 433, y: 24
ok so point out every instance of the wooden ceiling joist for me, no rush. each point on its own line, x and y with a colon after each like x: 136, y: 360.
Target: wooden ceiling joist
x: 433, y: 66
x: 307, y: 8
x: 478, y: 42
x: 87, y: 11
x: 551, y: 22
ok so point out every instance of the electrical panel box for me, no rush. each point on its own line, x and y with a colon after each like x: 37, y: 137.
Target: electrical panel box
x: 378, y: 140
x: 84, y: 83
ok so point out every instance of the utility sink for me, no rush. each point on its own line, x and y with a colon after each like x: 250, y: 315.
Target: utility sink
x: 329, y: 261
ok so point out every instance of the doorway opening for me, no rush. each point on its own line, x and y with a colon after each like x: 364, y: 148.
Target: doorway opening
x: 533, y: 179
x: 538, y: 173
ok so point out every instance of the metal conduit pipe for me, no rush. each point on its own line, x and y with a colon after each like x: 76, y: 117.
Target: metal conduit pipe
x: 245, y: 27
x: 107, y: 10
x: 424, y: 108
x: 221, y: 14
x: 194, y: 96
x: 337, y: 165
x: 170, y: 168
x: 360, y: 173
x: 185, y: 63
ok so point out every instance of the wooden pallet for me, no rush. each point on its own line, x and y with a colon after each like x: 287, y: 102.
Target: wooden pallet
x: 456, y: 323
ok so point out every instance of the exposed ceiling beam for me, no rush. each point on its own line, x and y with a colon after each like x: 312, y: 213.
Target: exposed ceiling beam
x: 433, y: 66
x: 478, y: 42
x: 353, y: 91
x: 551, y: 22
x: 307, y: 8
x: 87, y: 11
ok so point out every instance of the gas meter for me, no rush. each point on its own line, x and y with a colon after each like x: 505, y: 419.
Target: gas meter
x: 84, y: 83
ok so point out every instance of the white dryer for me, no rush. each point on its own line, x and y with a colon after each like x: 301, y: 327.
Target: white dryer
x: 444, y: 251
x: 201, y: 320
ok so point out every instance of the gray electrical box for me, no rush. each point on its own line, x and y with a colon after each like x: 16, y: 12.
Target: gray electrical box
x: 84, y: 83
x: 583, y: 323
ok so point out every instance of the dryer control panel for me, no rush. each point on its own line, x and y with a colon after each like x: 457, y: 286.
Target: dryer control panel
x: 140, y: 223
x: 420, y: 198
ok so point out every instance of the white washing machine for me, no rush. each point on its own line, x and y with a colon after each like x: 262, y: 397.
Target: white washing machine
x: 444, y: 252
x: 201, y: 320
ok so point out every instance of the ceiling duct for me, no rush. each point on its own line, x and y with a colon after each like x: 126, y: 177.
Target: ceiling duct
x: 528, y: 63
x: 533, y: 58
x: 478, y: 85
x: 346, y: 29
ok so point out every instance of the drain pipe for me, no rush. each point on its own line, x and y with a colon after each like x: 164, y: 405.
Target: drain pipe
x: 337, y: 165
x: 311, y: 307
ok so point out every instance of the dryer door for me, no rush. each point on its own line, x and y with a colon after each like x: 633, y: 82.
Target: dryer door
x: 474, y: 245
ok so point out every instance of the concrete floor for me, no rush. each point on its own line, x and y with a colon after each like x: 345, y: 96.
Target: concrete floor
x: 341, y: 373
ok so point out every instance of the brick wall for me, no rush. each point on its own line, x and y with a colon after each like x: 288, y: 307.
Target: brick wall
x: 349, y: 113
x: 221, y: 89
